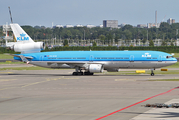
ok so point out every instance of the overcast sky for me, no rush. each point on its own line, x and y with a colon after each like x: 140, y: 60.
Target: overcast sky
x: 44, y: 12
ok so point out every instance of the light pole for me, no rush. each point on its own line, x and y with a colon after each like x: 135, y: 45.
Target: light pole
x: 84, y: 34
x: 176, y: 36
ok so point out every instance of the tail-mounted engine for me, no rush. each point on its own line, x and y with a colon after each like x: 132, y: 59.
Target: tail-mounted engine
x: 28, y: 47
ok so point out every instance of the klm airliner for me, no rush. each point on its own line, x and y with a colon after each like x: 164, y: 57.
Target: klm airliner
x: 86, y: 62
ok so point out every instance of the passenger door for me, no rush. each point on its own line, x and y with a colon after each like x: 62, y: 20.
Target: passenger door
x: 131, y: 62
x: 160, y: 58
x: 132, y: 58
x: 91, y: 58
x: 41, y: 58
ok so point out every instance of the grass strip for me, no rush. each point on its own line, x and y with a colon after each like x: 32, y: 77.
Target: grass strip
x: 8, y: 62
x: 4, y: 56
x: 26, y: 68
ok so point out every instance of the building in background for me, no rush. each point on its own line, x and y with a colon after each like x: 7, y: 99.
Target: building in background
x: 90, y: 26
x: 170, y: 21
x: 110, y: 23
x: 150, y: 25
x: 157, y: 25
x: 58, y: 26
x: 142, y: 26
x: 68, y: 26
x: 101, y: 26
x: 79, y: 25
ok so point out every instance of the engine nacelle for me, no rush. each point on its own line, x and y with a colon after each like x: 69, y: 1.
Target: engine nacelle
x: 28, y: 47
x: 95, y: 68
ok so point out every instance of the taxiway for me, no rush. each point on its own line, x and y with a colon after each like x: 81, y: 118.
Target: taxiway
x: 57, y: 95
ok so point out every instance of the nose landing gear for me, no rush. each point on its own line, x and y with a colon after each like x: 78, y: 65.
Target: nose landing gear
x: 152, y: 72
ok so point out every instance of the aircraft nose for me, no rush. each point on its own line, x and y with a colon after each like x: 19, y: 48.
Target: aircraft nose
x: 175, y: 60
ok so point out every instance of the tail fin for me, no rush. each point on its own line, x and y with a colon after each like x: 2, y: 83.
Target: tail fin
x: 19, y: 34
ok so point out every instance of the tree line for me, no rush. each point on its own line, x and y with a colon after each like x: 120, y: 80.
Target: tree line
x: 168, y: 49
x: 128, y: 32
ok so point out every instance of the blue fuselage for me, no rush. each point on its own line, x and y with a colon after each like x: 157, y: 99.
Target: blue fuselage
x: 115, y: 59
x: 100, y: 56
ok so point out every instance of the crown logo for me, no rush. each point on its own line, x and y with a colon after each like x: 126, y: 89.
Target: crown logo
x: 22, y: 35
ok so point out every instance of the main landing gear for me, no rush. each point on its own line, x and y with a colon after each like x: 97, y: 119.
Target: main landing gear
x: 79, y: 72
x: 82, y: 73
x: 88, y: 73
x: 152, y: 72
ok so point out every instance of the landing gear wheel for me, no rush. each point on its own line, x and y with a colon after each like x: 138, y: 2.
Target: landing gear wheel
x: 80, y: 73
x: 88, y: 73
x: 152, y: 74
x: 91, y: 73
x: 74, y: 73
x: 77, y: 73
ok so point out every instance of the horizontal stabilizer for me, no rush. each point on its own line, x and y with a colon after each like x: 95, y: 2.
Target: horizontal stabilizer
x: 23, y: 59
x: 29, y: 57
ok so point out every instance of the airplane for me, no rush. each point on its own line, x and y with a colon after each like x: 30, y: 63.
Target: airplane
x: 86, y: 62
x: 23, y: 42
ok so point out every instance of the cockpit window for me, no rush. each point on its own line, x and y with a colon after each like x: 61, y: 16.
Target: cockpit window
x: 169, y: 57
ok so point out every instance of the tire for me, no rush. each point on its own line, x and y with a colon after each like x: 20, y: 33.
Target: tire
x: 80, y: 73
x: 88, y: 73
x: 91, y: 73
x: 75, y: 73
x: 152, y: 74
